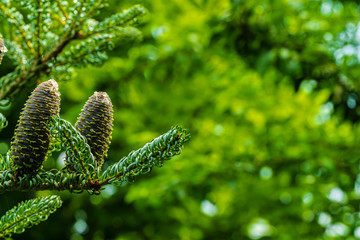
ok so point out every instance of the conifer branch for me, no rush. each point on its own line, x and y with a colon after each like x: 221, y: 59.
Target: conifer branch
x: 79, y: 58
x: 137, y: 162
x: 44, y: 180
x: 18, y: 26
x: 93, y: 9
x: 59, y: 19
x: 27, y: 214
x: 123, y: 19
x: 42, y: 44
x: 16, y: 82
x: 61, y: 8
x: 5, y: 162
x: 38, y: 36
x: 3, y: 122
x: 49, y: 55
x: 142, y: 160
x: 58, y: 48
x: 78, y: 155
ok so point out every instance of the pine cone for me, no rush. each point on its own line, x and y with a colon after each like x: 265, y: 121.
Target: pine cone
x: 30, y: 143
x: 95, y: 124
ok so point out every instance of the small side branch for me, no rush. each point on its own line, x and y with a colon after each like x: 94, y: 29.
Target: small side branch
x: 27, y: 214
x: 78, y: 155
x: 142, y: 160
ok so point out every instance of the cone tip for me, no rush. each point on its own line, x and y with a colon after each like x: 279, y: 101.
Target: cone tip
x: 102, y: 97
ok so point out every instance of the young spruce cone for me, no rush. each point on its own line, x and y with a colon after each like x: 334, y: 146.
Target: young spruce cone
x: 95, y: 124
x: 32, y: 134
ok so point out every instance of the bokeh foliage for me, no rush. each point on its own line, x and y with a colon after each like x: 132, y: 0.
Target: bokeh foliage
x: 269, y: 92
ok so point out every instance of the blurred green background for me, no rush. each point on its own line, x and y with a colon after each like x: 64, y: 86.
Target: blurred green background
x: 269, y: 92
